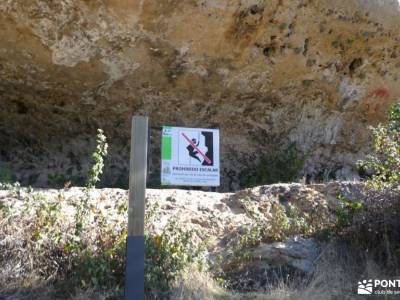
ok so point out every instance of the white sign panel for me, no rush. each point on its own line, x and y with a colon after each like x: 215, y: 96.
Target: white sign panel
x: 190, y: 156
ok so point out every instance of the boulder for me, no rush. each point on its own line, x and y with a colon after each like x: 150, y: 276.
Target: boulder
x: 297, y: 252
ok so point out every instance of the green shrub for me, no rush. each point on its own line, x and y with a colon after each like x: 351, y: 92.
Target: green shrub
x: 95, y: 256
x: 384, y: 162
x: 56, y: 180
x: 286, y: 221
x: 346, y: 212
x: 168, y: 253
x: 373, y: 227
x: 100, y: 268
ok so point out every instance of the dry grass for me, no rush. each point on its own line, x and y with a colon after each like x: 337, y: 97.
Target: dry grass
x: 336, y: 275
x: 337, y: 272
x: 40, y: 252
x: 197, y: 285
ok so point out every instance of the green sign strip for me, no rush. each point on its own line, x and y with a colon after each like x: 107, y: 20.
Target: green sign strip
x: 166, y: 148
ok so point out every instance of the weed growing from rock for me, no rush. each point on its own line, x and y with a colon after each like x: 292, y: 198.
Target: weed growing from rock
x: 94, y: 174
x: 98, y: 159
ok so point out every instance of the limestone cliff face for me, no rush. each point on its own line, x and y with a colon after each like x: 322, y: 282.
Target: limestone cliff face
x: 308, y: 73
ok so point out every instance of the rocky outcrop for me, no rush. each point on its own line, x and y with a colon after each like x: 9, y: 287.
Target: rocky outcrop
x: 310, y: 74
x: 218, y: 218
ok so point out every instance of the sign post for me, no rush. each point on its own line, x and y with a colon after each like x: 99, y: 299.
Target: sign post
x: 190, y: 156
x: 135, y: 243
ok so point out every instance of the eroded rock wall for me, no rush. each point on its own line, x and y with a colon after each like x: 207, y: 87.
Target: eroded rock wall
x: 313, y: 74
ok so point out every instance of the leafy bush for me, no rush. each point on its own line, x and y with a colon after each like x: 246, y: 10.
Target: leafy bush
x: 44, y: 241
x: 384, y: 163
x: 283, y: 221
x: 102, y: 268
x: 288, y: 220
x: 374, y: 226
x: 382, y: 186
x: 56, y: 180
x: 168, y: 253
x: 346, y: 212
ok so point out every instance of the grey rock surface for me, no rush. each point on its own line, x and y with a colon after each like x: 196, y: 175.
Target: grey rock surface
x: 297, y: 252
